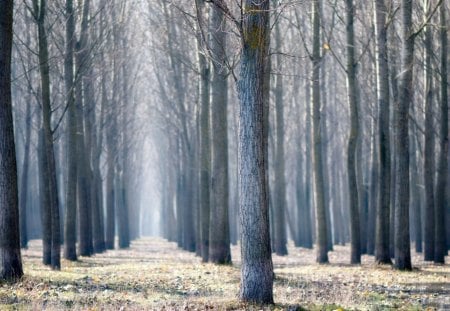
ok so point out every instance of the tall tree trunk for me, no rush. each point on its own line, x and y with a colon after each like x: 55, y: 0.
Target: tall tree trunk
x: 49, y: 174
x: 280, y: 204
x: 85, y: 245
x: 24, y: 182
x: 308, y: 206
x: 257, y: 268
x: 70, y: 220
x: 110, y: 192
x: 187, y: 202
x: 44, y: 197
x: 93, y: 149
x: 442, y: 180
x: 123, y: 210
x: 219, y: 231
x: 416, y: 187
x: 373, y: 192
x: 11, y: 261
x: 353, y: 138
x: 205, y: 144
x: 429, y: 153
x: 402, y: 242
x: 321, y: 222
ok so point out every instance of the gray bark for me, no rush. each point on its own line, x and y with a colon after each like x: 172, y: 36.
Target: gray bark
x: 49, y: 167
x: 429, y: 153
x: 353, y: 137
x: 219, y: 231
x: 442, y: 180
x: 384, y: 177
x: 70, y: 238
x: 279, y: 202
x: 401, y: 235
x: 257, y: 268
x: 321, y: 219
x: 10, y: 257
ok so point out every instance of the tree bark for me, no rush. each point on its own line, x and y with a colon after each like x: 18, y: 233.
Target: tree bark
x: 401, y: 236
x: 10, y: 257
x: 49, y: 168
x: 280, y: 204
x: 429, y: 153
x: 384, y: 177
x: 354, y: 136
x: 219, y: 232
x: 257, y: 269
x: 205, y: 144
x: 442, y: 179
x: 70, y: 220
x: 321, y: 219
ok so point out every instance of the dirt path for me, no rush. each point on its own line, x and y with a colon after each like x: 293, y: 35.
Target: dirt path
x: 155, y: 275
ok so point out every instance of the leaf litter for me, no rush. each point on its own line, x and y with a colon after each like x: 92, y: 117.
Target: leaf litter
x: 154, y: 274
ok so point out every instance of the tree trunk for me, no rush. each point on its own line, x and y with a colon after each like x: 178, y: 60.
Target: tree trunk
x: 280, y: 204
x: 122, y: 214
x: 11, y: 261
x: 49, y: 168
x: 442, y: 180
x: 257, y: 269
x: 307, y: 205
x: 429, y: 153
x: 219, y: 231
x: 205, y: 145
x: 85, y: 245
x: 402, y: 242
x: 416, y: 188
x: 321, y: 222
x: 353, y: 138
x: 373, y: 193
x: 44, y: 202
x: 24, y: 182
x: 70, y: 220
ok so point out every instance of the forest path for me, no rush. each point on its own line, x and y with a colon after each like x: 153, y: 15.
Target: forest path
x: 155, y: 274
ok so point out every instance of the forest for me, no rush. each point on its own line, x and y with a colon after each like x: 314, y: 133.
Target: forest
x: 224, y: 154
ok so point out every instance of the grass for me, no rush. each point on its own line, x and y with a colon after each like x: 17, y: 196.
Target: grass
x: 154, y: 275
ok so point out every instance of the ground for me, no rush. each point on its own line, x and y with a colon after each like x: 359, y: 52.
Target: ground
x: 155, y: 275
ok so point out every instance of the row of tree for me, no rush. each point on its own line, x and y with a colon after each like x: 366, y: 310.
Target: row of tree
x: 74, y: 112
x: 330, y: 142
x: 366, y: 160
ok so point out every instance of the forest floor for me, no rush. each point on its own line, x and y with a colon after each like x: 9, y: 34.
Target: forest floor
x: 155, y: 275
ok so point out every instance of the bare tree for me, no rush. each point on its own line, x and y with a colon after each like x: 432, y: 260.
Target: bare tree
x: 11, y: 267
x: 382, y: 215
x: 354, y: 135
x: 442, y: 180
x: 402, y: 243
x: 257, y: 269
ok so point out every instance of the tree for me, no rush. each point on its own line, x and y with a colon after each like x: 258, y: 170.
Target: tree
x: 401, y: 235
x: 23, y: 189
x: 354, y: 135
x: 384, y: 180
x: 429, y: 153
x: 205, y: 144
x: 70, y: 238
x: 442, y: 180
x: 279, y: 202
x: 48, y: 180
x: 257, y: 269
x: 11, y: 267
x: 321, y: 217
x: 219, y: 231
